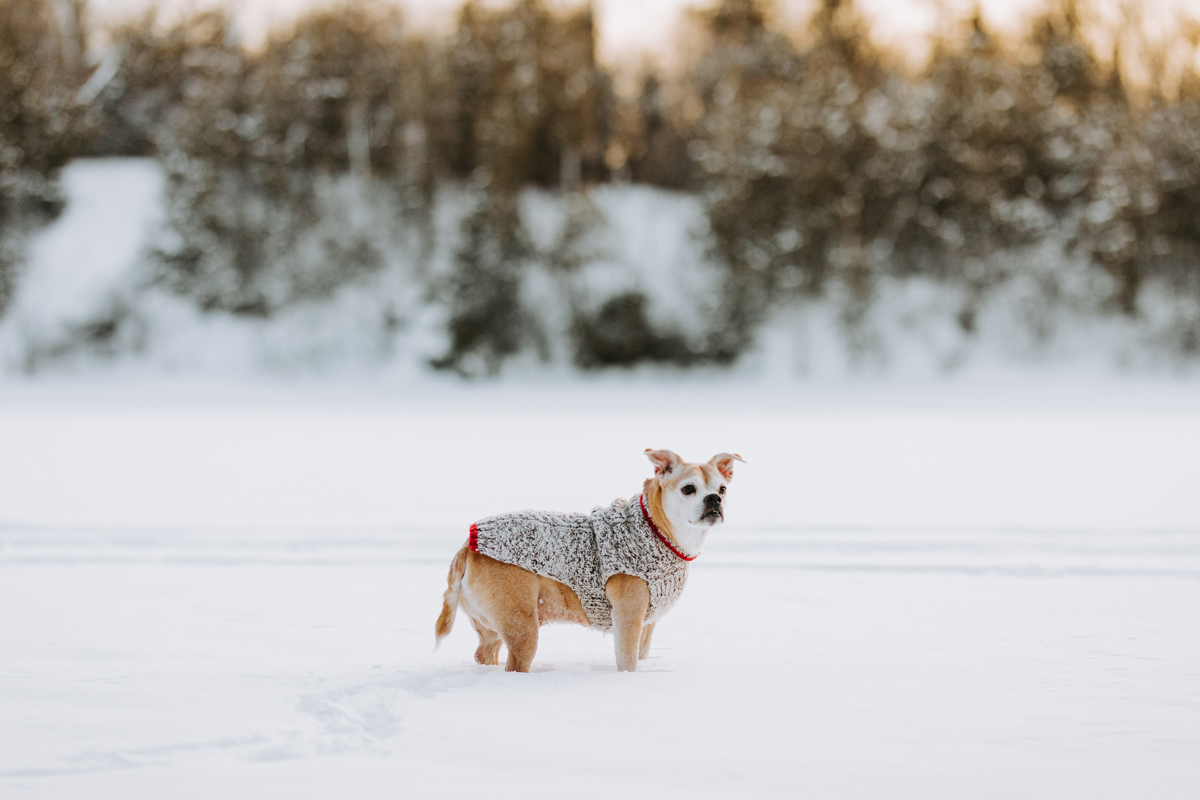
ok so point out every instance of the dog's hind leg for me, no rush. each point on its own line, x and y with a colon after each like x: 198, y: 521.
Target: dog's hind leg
x: 488, y: 652
x: 644, y: 647
x: 520, y: 634
x: 501, y: 600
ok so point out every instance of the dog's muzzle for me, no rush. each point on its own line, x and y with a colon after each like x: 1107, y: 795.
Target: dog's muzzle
x: 712, y: 509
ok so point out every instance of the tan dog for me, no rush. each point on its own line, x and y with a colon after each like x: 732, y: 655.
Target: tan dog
x: 622, y: 566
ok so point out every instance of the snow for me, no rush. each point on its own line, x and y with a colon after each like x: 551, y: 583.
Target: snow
x: 85, y: 262
x: 221, y: 581
x: 240, y: 603
x: 820, y: 663
x: 1061, y: 469
x: 89, y: 271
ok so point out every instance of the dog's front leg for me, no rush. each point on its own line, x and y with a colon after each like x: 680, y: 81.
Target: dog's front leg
x: 630, y: 598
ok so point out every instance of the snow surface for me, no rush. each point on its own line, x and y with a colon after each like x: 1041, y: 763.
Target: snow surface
x: 1057, y: 469
x: 239, y: 603
x: 824, y: 664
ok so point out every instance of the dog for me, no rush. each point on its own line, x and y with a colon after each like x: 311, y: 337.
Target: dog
x: 619, y: 568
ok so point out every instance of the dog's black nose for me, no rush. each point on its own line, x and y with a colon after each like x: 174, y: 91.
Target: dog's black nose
x: 712, y: 501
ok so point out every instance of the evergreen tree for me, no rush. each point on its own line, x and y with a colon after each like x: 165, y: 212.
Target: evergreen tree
x: 40, y: 73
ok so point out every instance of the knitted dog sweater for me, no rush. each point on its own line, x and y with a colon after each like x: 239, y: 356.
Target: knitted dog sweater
x: 585, y: 550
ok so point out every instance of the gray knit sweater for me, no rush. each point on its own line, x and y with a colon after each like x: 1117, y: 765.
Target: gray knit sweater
x: 585, y: 550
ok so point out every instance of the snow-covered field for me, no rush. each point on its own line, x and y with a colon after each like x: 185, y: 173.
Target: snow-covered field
x: 209, y: 598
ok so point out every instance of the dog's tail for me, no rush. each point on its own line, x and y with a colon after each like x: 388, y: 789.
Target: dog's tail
x: 450, y: 600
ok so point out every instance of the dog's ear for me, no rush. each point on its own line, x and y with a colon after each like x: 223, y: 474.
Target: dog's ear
x: 664, y: 461
x: 724, y: 463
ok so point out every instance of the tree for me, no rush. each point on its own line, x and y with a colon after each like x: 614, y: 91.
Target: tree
x: 40, y: 72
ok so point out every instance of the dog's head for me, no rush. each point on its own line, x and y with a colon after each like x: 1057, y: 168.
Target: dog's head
x: 689, y: 496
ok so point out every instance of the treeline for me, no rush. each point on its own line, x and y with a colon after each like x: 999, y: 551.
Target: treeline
x: 825, y: 169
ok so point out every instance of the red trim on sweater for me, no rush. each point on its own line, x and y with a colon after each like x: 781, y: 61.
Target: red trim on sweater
x: 658, y: 533
x: 473, y: 541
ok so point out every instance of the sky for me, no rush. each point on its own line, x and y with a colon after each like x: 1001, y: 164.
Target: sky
x: 632, y: 30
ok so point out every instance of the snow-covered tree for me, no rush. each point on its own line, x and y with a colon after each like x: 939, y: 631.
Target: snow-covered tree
x: 41, y: 69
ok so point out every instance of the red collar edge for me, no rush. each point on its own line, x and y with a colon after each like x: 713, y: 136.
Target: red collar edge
x: 659, y: 534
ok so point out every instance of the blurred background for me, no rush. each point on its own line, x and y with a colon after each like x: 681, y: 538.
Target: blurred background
x: 293, y: 292
x: 566, y: 187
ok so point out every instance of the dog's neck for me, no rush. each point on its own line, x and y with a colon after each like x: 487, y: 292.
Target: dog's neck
x: 688, y: 538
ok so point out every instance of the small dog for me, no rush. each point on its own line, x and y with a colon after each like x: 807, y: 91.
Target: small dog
x: 621, y: 567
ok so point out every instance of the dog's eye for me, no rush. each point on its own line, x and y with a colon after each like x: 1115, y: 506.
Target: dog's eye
x: 722, y: 490
x: 689, y: 489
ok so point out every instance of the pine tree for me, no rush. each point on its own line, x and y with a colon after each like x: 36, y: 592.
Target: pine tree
x: 40, y: 72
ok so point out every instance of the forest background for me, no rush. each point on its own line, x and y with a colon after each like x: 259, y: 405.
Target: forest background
x: 1056, y: 173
